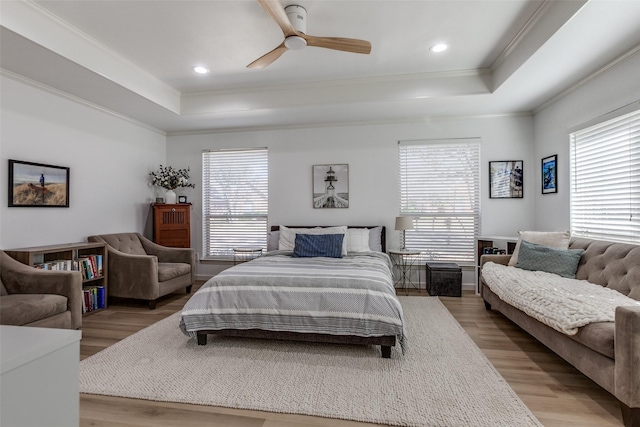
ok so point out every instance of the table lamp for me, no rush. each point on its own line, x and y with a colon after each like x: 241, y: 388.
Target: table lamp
x: 404, y: 223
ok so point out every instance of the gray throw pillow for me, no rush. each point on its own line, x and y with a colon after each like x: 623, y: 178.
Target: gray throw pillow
x: 563, y: 262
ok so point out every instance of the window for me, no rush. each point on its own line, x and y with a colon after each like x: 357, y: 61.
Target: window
x: 605, y: 180
x: 440, y: 189
x: 234, y: 200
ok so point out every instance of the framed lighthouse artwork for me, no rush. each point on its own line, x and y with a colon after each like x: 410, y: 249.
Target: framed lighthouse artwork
x: 331, y: 186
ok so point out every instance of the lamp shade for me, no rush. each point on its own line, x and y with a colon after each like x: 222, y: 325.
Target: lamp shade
x: 404, y: 223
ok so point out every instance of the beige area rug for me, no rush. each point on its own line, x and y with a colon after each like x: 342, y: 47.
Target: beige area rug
x: 443, y: 380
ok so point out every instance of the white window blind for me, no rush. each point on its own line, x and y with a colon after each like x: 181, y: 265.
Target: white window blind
x: 234, y: 200
x: 440, y: 189
x: 605, y: 180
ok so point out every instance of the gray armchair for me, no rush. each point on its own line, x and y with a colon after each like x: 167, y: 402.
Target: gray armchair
x: 142, y: 269
x: 42, y: 298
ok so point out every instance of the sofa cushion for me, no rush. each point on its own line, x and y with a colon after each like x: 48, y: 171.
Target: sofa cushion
x: 543, y: 258
x: 22, y: 309
x: 171, y: 270
x: 598, y: 337
x: 553, y: 239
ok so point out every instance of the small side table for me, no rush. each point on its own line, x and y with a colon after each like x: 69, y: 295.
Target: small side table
x: 404, y: 260
x: 244, y: 254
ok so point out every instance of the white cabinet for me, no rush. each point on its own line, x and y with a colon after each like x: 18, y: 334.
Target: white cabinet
x: 39, y: 376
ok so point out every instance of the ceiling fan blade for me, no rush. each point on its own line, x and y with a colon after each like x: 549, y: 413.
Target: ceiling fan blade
x: 339, y: 43
x: 276, y: 11
x: 268, y: 58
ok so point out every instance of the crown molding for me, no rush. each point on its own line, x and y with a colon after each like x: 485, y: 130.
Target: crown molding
x: 37, y: 85
x: 33, y: 22
x: 405, y: 120
x: 621, y: 59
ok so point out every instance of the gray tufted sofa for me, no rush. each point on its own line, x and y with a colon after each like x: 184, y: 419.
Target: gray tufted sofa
x: 606, y: 352
x: 142, y: 269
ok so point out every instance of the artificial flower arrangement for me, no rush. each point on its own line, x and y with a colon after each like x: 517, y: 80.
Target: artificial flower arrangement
x: 170, y: 178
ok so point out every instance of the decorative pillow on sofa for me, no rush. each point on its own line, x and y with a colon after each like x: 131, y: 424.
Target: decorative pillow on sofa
x: 358, y: 240
x: 552, y: 239
x: 563, y: 262
x: 288, y: 236
x: 318, y: 245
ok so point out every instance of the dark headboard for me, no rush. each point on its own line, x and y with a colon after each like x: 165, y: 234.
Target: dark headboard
x: 383, y: 236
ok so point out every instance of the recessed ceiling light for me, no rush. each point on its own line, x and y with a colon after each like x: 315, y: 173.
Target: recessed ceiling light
x: 200, y: 69
x: 437, y: 48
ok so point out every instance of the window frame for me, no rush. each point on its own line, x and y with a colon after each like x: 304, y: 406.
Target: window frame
x: 597, y: 161
x: 214, y: 187
x: 460, y: 244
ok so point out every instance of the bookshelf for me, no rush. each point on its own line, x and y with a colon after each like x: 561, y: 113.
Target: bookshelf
x: 506, y: 244
x: 88, y: 258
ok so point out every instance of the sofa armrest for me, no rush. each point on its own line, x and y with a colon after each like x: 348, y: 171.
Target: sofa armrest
x: 168, y: 254
x: 627, y: 353
x: 133, y: 276
x: 19, y: 278
x: 498, y: 259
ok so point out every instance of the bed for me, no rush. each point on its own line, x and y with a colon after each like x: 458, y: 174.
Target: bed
x: 328, y: 299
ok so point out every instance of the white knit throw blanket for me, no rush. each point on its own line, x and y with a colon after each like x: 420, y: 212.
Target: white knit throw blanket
x: 561, y: 303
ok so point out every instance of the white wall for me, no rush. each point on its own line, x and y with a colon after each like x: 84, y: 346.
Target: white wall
x: 617, y: 87
x: 109, y: 160
x: 372, y: 154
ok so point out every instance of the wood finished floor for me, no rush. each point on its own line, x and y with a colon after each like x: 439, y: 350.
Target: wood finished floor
x: 554, y: 391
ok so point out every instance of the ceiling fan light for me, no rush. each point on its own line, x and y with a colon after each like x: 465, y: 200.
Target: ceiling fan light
x: 437, y: 48
x: 295, y: 43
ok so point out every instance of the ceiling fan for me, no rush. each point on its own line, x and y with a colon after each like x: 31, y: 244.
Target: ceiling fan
x: 293, y: 22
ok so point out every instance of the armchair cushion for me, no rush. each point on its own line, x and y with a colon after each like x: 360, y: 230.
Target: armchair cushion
x: 170, y: 270
x: 3, y: 290
x: 22, y: 309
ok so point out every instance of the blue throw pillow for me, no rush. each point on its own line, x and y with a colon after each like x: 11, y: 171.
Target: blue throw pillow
x: 318, y: 245
x: 563, y: 262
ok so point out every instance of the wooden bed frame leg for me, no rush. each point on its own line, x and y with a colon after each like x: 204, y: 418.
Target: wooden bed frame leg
x: 386, y: 351
x: 189, y: 289
x: 152, y: 304
x: 630, y: 416
x: 202, y: 338
x: 487, y: 306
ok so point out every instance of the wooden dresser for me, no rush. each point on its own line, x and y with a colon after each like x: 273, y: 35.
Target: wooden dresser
x: 172, y: 224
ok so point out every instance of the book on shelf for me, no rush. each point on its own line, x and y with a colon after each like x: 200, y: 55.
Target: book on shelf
x: 90, y: 266
x: 94, y: 298
x: 58, y: 265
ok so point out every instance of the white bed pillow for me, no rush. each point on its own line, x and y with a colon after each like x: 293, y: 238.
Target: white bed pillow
x: 287, y: 240
x: 273, y: 239
x: 358, y: 240
x: 375, y: 239
x: 552, y: 239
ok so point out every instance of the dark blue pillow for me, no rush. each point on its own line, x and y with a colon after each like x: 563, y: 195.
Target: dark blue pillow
x: 316, y: 245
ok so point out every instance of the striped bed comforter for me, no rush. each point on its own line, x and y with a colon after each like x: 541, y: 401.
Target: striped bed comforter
x: 353, y: 295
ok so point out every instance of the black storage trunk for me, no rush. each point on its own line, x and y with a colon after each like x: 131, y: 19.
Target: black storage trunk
x: 444, y: 278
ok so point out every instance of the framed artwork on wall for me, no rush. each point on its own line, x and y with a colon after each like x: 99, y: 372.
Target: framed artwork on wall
x: 38, y: 185
x: 331, y: 186
x: 550, y: 174
x: 506, y: 179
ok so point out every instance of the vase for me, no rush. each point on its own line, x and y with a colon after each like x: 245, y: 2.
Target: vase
x: 170, y: 197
